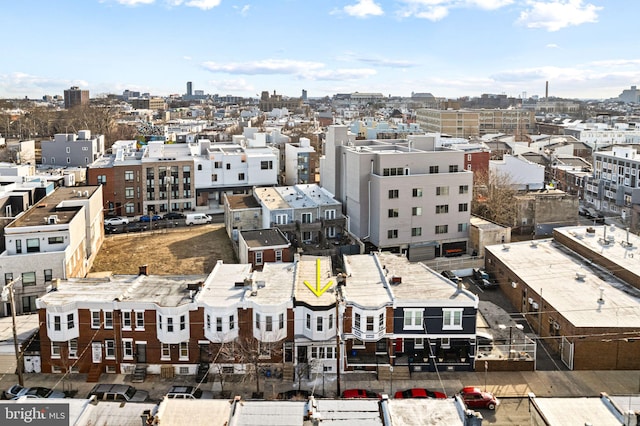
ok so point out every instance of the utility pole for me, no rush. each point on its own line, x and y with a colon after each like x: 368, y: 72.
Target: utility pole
x: 7, y: 294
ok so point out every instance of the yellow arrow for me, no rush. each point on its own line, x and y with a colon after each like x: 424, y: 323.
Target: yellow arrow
x: 318, y: 290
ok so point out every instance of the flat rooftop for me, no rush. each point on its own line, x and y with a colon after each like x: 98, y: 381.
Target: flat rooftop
x: 201, y: 412
x: 616, y: 244
x: 53, y: 204
x: 577, y: 411
x: 366, y: 284
x: 161, y: 290
x: 426, y: 412
x: 570, y: 284
x: 420, y: 283
x: 229, y: 284
x: 238, y: 202
x: 264, y: 238
x: 317, y: 272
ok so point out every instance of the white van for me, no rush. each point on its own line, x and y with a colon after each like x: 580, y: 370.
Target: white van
x: 197, y: 219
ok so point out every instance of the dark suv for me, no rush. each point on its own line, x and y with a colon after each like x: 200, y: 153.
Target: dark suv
x: 451, y: 276
x: 111, y: 392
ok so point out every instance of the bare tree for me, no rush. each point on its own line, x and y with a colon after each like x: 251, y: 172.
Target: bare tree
x: 252, y: 353
x: 494, y: 198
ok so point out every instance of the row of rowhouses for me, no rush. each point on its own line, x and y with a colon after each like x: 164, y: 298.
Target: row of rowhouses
x: 379, y: 310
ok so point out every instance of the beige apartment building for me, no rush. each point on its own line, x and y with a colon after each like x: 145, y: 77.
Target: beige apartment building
x: 465, y: 123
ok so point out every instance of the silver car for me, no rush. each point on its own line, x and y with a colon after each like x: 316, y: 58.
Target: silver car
x: 17, y: 391
x: 117, y: 220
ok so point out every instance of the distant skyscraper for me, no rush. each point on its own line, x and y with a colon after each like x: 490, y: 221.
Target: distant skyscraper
x: 189, y: 89
x: 74, y: 97
x: 304, y: 95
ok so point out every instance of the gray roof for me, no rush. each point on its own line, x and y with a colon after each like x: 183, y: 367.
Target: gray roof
x: 570, y: 285
x: 264, y: 238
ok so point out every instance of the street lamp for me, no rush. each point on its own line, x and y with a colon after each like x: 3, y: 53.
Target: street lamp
x: 518, y: 326
x: 7, y: 295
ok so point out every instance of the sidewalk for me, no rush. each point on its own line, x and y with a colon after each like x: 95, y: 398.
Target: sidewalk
x: 502, y: 384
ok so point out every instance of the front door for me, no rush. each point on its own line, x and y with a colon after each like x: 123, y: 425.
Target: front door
x: 302, y: 354
x: 96, y: 352
x: 141, y: 352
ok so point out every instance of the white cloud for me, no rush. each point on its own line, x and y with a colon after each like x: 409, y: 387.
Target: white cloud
x: 339, y: 74
x: 297, y: 69
x: 19, y: 84
x: 232, y: 85
x: 186, y: 58
x: 552, y: 46
x: 435, y: 10
x: 557, y: 14
x: 134, y: 2
x: 364, y: 9
x: 245, y: 10
x: 200, y: 4
x: 267, y: 66
x: 390, y: 63
x: 490, y: 4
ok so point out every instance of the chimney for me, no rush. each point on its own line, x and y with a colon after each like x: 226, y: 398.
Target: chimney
x: 143, y: 270
x: 54, y: 284
x: 546, y: 90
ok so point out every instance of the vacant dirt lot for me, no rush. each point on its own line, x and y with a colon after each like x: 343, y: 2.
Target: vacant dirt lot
x: 181, y: 251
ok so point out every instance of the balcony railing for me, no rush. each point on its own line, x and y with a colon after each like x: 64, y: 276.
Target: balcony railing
x: 369, y: 336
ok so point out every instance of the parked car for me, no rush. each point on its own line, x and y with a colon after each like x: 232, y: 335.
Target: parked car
x: 419, y: 393
x: 116, y: 220
x: 174, y: 215
x: 135, y: 227
x: 475, y: 398
x: 451, y: 276
x: 17, y: 391
x: 147, y: 218
x: 480, y: 274
x: 197, y: 219
x: 112, y: 392
x: 188, y: 392
x: 360, y: 393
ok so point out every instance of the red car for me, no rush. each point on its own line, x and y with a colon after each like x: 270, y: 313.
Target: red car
x: 419, y: 393
x: 475, y: 398
x: 360, y: 393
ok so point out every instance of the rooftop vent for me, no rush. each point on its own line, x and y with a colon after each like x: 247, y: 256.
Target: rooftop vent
x: 505, y: 247
x: 580, y: 276
x: 396, y: 280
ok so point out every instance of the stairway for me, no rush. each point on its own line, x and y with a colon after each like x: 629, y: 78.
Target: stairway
x: 400, y: 372
x: 93, y: 376
x: 140, y: 373
x: 288, y: 372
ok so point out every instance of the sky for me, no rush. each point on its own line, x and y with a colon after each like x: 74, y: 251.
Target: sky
x: 586, y: 49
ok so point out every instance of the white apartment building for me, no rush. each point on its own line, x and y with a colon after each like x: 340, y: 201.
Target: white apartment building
x: 299, y: 162
x: 614, y: 187
x: 401, y: 194
x: 601, y: 135
x: 234, y: 167
x: 58, y: 237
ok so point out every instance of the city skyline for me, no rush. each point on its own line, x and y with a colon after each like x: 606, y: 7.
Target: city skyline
x: 449, y: 48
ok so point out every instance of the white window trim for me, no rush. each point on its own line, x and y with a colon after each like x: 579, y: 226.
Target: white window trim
x: 184, y: 345
x: 126, y: 355
x: 138, y: 328
x: 73, y: 354
x: 413, y: 316
x: 451, y: 324
x: 107, y: 327
x: 106, y: 349
x: 124, y: 326
x: 167, y: 356
x: 93, y: 323
x: 55, y: 350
